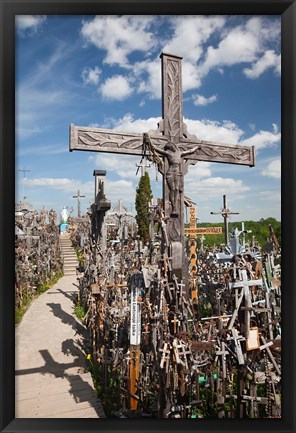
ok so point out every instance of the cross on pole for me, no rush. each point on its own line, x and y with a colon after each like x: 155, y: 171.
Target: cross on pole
x: 78, y: 196
x: 172, y: 148
x: 225, y: 214
x: 24, y: 170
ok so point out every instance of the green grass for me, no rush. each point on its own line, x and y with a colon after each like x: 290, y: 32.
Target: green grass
x: 79, y: 312
x: 26, y: 301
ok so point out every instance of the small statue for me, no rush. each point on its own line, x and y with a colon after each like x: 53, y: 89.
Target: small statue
x: 64, y: 215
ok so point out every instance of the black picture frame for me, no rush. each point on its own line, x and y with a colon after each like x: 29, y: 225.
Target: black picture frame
x: 11, y: 8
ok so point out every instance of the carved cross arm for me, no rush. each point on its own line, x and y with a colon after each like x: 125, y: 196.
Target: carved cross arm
x: 218, y: 152
x: 110, y: 141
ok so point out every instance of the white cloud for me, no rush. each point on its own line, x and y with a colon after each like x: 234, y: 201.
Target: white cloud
x: 29, y: 22
x: 91, y: 76
x: 214, y: 187
x: 190, y: 33
x: 119, y: 36
x: 269, y: 60
x: 116, y: 88
x: 114, y: 190
x: 63, y: 184
x: 263, y: 139
x: 225, y: 132
x: 123, y: 165
x: 275, y: 128
x: 273, y: 169
x: 244, y: 43
x: 151, y: 82
x: 197, y: 171
x: 202, y: 100
x: 190, y: 76
x: 120, y: 189
x: 128, y: 124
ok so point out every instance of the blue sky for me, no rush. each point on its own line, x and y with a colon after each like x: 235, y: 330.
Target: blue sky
x: 105, y: 71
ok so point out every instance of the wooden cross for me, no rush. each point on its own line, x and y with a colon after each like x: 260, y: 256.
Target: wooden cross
x: 78, y: 196
x: 223, y: 353
x: 176, y: 322
x: 266, y: 347
x: 225, y: 213
x: 171, y: 147
x: 245, y: 293
x: 238, y: 350
x: 165, y: 355
x: 192, y: 231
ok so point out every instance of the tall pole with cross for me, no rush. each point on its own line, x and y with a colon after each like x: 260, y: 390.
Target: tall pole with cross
x: 225, y: 212
x: 78, y: 196
x: 172, y: 149
x: 24, y: 170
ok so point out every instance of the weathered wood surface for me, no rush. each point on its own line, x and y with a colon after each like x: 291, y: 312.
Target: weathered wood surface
x: 51, y: 379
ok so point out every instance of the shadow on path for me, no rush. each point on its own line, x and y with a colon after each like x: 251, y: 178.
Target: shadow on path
x: 67, y: 318
x: 80, y: 390
x: 71, y: 294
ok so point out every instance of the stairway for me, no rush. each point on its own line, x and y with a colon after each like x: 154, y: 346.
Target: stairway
x: 69, y: 255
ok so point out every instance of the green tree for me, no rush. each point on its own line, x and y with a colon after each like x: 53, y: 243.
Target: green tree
x: 143, y: 197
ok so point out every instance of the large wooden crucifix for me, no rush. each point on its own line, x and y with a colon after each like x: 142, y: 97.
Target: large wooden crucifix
x: 172, y: 148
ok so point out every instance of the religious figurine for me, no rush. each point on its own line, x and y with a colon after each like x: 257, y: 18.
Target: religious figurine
x: 174, y: 174
x: 64, y: 215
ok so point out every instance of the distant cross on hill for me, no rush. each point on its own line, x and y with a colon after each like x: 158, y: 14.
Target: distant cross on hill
x: 24, y: 170
x: 78, y: 196
x: 225, y: 212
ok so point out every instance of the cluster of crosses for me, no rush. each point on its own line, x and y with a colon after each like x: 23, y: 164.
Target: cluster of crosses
x: 172, y: 149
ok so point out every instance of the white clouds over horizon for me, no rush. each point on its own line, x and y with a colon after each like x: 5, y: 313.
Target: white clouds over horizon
x: 215, y: 187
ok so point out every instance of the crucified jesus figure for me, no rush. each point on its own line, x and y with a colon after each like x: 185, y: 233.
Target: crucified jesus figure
x: 174, y: 174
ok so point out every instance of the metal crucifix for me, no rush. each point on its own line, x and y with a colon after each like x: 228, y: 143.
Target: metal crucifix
x: 172, y: 148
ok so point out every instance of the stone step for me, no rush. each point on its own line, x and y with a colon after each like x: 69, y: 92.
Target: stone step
x: 70, y: 265
x: 67, y: 273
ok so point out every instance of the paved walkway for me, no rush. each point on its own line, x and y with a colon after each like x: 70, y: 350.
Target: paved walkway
x: 51, y: 381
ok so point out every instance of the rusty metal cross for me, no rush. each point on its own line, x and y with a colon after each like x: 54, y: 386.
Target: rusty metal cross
x: 175, y: 150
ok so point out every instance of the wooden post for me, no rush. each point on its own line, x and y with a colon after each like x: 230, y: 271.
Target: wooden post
x: 135, y: 339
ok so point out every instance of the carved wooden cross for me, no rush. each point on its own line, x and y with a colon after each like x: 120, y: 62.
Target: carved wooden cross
x: 192, y: 231
x: 172, y: 147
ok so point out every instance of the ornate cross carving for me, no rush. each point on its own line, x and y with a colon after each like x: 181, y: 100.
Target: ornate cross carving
x: 175, y: 150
